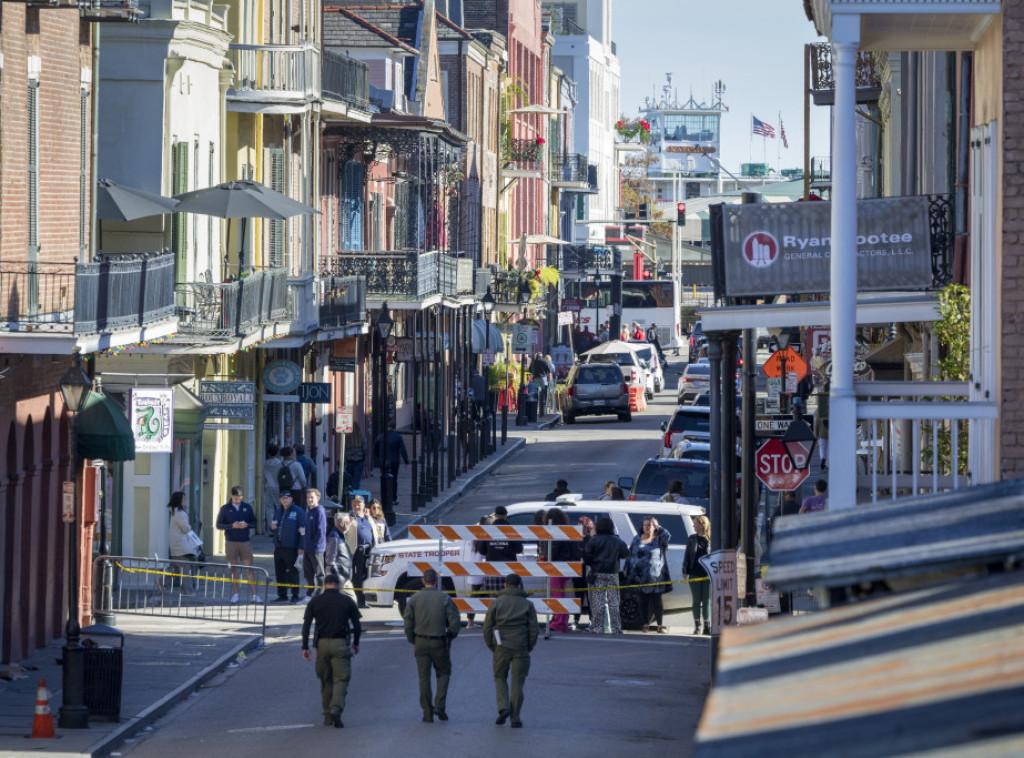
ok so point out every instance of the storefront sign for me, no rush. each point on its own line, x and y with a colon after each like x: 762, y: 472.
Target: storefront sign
x: 229, y: 399
x: 341, y: 363
x: 227, y: 426
x: 403, y: 349
x: 152, y: 419
x: 68, y: 503
x: 314, y: 392
x: 786, y: 247
x: 281, y: 377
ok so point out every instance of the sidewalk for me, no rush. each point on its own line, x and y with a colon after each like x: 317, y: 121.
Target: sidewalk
x: 165, y: 660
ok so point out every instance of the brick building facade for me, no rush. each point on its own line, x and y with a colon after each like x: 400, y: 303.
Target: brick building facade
x: 44, y: 227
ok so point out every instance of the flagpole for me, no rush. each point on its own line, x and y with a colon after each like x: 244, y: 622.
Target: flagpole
x: 750, y: 141
x: 778, y: 146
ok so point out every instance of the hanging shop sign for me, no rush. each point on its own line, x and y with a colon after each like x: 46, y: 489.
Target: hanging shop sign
x: 151, y: 416
x: 770, y: 248
x: 343, y: 363
x: 229, y: 399
x: 281, y: 377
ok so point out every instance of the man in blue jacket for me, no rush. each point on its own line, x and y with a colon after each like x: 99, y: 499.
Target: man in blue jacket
x: 289, y: 521
x: 314, y: 544
x: 237, y: 519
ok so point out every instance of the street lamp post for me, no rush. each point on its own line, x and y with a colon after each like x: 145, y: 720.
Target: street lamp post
x: 523, y: 297
x: 487, y: 301
x: 73, y: 712
x: 384, y: 326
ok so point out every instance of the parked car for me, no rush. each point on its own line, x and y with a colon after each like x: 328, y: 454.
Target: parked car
x: 695, y: 379
x: 594, y: 389
x: 763, y: 338
x: 689, y: 421
x: 697, y: 339
x: 649, y: 359
x: 651, y: 483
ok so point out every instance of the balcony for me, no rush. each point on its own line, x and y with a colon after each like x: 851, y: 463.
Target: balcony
x: 397, y: 275
x: 116, y: 293
x: 212, y: 311
x: 823, y: 86
x: 342, y: 301
x: 521, y: 158
x: 345, y: 80
x: 572, y: 172
x: 274, y: 75
x: 913, y: 437
x: 345, y: 88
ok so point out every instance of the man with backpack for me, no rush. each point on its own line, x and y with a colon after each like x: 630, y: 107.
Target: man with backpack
x: 308, y: 467
x: 291, y: 478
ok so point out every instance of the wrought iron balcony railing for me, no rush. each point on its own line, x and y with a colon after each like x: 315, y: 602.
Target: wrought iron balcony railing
x: 823, y: 84
x: 117, y: 292
x: 345, y: 79
x: 342, y: 301
x: 232, y: 309
x: 571, y: 168
x: 398, y: 273
x: 524, y: 154
x: 280, y: 71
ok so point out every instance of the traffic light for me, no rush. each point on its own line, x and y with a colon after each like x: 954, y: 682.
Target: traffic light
x: 680, y: 214
x: 644, y: 211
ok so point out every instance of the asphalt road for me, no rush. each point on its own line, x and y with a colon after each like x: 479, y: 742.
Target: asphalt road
x: 585, y: 696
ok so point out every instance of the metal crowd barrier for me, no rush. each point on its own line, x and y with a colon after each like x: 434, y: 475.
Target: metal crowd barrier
x: 181, y: 589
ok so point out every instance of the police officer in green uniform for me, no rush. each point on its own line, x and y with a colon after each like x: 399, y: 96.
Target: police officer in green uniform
x: 336, y: 616
x: 431, y: 623
x: 510, y: 631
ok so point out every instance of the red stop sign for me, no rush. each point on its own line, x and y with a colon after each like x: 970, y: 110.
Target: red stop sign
x: 773, y: 467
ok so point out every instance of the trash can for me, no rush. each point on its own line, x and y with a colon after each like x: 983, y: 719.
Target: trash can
x: 103, y: 664
x: 531, y: 409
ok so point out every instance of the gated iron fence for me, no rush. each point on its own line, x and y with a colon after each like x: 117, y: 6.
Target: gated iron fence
x: 182, y: 589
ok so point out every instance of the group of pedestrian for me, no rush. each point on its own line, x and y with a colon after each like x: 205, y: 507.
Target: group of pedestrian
x: 341, y: 547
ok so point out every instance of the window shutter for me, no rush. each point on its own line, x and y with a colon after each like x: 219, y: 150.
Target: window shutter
x: 277, y: 230
x: 83, y: 176
x: 352, y: 206
x: 33, y: 171
x: 179, y: 184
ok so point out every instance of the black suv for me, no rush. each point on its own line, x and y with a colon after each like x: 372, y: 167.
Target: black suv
x: 657, y: 473
x: 697, y: 340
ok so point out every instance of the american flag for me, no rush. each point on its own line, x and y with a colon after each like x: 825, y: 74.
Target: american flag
x: 782, y: 133
x: 762, y: 129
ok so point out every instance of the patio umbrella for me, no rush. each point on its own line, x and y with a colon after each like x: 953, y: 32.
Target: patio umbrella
x: 121, y: 203
x: 242, y: 199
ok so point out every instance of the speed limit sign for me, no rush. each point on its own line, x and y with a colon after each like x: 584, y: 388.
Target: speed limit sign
x: 727, y: 571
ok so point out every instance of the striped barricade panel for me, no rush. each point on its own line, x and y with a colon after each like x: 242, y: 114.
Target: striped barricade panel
x: 495, y: 532
x: 544, y: 605
x: 541, y: 569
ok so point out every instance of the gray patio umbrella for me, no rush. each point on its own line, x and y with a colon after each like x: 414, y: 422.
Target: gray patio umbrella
x: 242, y: 199
x: 121, y: 203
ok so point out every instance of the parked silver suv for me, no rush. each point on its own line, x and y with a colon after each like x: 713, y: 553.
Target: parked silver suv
x: 594, y: 389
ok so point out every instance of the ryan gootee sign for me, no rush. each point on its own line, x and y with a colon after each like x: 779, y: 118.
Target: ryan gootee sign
x: 772, y: 248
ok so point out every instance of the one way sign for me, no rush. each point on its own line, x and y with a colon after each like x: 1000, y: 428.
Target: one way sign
x: 314, y: 392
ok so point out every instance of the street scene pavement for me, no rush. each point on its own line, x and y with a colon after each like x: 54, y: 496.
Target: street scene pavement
x: 586, y: 694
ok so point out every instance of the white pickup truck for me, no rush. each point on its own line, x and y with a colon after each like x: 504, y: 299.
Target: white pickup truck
x: 389, y: 562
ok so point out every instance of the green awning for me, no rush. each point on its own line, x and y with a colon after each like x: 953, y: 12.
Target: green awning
x: 102, y: 431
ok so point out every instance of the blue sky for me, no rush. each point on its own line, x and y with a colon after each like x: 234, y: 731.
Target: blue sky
x: 754, y: 46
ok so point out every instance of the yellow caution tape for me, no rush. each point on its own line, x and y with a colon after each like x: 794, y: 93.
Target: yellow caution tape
x: 484, y: 593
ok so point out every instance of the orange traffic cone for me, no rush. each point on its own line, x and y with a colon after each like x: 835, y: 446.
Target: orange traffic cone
x: 42, y: 726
